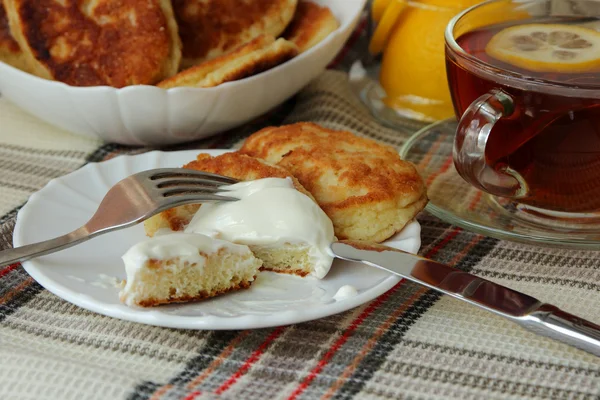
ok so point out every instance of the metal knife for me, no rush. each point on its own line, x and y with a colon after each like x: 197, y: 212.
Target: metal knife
x: 541, y: 318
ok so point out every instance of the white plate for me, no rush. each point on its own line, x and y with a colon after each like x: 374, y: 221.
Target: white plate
x: 148, y: 115
x: 80, y: 274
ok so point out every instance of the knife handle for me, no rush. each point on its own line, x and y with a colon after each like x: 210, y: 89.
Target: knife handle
x: 556, y: 324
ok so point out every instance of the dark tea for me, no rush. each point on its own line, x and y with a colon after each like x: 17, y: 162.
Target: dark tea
x: 551, y: 139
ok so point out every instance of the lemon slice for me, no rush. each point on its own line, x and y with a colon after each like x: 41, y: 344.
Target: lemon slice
x: 385, y: 25
x: 547, y: 48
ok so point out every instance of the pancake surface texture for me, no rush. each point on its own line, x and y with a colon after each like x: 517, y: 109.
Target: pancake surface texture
x: 311, y: 24
x: 210, y: 28
x: 364, y: 187
x: 10, y: 52
x: 254, y: 57
x: 93, y: 43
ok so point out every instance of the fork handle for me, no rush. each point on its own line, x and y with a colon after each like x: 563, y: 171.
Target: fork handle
x: 10, y: 256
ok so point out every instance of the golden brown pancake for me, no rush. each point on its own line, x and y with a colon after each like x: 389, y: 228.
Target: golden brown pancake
x: 235, y: 165
x: 257, y: 56
x: 363, y: 186
x: 311, y: 24
x: 102, y: 42
x: 10, y: 52
x: 220, y: 267
x: 210, y: 28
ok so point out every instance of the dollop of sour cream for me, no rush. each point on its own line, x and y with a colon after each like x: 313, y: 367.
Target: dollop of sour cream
x: 186, y: 247
x: 270, y: 212
x: 345, y: 292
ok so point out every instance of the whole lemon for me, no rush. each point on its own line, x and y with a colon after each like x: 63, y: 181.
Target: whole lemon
x: 413, y: 71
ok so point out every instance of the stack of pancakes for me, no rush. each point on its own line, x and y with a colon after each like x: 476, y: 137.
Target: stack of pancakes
x: 199, y: 43
x: 365, y: 188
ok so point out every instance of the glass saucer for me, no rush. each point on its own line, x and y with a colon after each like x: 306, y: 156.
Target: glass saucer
x: 455, y: 201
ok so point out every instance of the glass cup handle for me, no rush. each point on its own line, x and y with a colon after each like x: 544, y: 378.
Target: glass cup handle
x: 473, y: 131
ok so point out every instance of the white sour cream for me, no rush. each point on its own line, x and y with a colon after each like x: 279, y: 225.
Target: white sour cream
x: 345, y: 292
x: 270, y: 212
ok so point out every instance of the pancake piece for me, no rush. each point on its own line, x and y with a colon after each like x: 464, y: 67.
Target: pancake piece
x: 299, y: 247
x: 257, y: 56
x: 93, y: 43
x: 234, y: 165
x: 310, y: 25
x: 364, y: 187
x: 210, y: 28
x: 10, y: 52
x: 181, y: 267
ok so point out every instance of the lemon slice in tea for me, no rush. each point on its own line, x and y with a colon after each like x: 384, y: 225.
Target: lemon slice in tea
x: 547, y: 48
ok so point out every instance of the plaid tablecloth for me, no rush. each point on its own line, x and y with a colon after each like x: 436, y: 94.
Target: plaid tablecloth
x: 408, y: 343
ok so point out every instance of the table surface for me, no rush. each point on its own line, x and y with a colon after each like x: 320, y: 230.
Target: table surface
x: 410, y: 342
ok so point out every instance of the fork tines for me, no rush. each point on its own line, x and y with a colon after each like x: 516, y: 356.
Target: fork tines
x: 186, y: 182
x: 192, y: 174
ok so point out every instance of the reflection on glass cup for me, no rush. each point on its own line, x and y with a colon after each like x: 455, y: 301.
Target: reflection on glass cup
x: 525, y: 83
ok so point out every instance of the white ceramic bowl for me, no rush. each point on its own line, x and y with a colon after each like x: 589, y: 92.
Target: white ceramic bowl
x: 147, y: 115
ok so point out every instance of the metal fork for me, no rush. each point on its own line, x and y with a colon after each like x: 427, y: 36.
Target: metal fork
x: 131, y: 201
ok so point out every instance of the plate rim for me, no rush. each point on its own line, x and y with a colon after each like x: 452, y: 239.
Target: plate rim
x: 207, y: 322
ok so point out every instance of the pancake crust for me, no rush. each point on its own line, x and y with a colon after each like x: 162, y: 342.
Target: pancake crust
x: 10, y: 52
x: 102, y: 42
x: 254, y: 57
x: 364, y: 187
x: 210, y: 28
x: 153, y: 302
x: 310, y: 25
x: 235, y: 165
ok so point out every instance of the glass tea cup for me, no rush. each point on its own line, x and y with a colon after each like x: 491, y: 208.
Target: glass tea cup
x: 524, y: 77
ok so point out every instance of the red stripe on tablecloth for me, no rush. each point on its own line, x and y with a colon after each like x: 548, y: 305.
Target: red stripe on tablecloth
x: 160, y: 391
x: 355, y: 35
x: 385, y: 326
x: 202, y: 375
x: 218, y: 360
x: 340, y: 342
x: 250, y: 361
x: 443, y: 169
x: 359, y: 320
x: 433, y: 150
x: 192, y: 395
x: 475, y: 200
x: 8, y: 269
x: 368, y: 346
x: 20, y: 287
x: 443, y: 242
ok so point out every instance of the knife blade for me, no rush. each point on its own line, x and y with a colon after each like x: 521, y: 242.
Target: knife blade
x: 532, y: 314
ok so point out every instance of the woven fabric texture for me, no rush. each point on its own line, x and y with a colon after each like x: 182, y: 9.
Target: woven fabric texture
x: 408, y: 343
